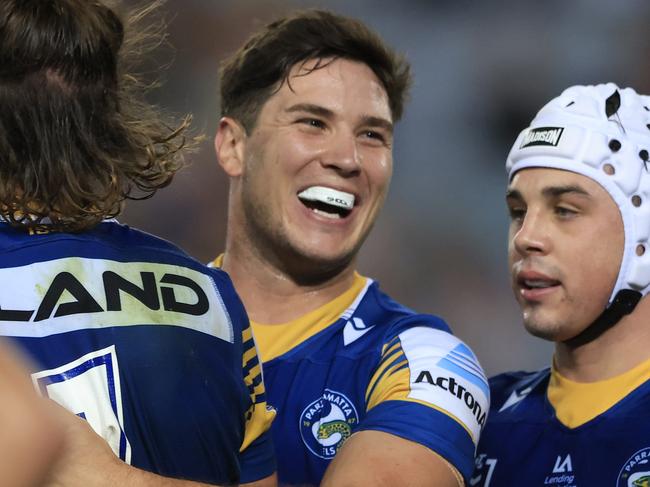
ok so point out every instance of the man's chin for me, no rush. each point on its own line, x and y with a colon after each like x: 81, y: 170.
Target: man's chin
x: 545, y: 330
x: 314, y: 267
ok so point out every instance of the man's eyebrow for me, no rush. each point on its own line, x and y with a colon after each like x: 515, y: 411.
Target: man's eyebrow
x: 318, y: 110
x: 513, y: 194
x: 311, y: 108
x: 556, y: 191
x: 372, y: 121
x: 551, y: 192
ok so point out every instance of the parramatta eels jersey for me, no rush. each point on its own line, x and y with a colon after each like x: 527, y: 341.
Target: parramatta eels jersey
x: 364, y: 362
x: 152, y: 348
x: 546, y: 430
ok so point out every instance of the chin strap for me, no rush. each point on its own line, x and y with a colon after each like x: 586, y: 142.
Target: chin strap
x: 624, y: 303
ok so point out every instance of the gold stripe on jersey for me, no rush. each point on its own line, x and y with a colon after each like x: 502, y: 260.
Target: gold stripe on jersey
x: 277, y: 339
x: 577, y: 403
x: 392, y: 382
x: 249, y: 355
x: 393, y: 358
x: 394, y: 385
x: 258, y: 417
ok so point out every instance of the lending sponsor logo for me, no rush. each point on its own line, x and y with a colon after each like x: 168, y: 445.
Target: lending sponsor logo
x: 562, y: 474
x: 549, y: 136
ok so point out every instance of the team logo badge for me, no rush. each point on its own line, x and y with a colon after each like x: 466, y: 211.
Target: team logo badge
x: 327, y: 422
x: 636, y: 471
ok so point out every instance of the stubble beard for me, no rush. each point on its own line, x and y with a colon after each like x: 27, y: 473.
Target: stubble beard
x: 272, y: 244
x: 541, y: 328
x: 548, y: 325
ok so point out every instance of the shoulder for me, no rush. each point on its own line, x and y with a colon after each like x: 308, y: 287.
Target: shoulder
x: 103, y: 265
x: 512, y: 389
x: 394, y: 317
x: 108, y: 240
x: 424, y: 340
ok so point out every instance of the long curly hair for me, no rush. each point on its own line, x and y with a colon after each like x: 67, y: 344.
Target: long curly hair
x: 76, y: 137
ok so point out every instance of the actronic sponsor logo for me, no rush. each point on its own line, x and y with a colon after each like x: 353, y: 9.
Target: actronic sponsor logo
x: 450, y: 385
x: 636, y: 470
x: 326, y: 423
x: 549, y: 136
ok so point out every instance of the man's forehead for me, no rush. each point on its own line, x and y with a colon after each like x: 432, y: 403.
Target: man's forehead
x: 331, y: 65
x: 546, y: 175
x: 333, y: 77
x: 551, y: 182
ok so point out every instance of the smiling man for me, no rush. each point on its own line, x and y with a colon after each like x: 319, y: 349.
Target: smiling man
x: 579, y: 202
x: 306, y: 138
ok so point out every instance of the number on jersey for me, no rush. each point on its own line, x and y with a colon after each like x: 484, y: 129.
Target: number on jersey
x: 90, y: 388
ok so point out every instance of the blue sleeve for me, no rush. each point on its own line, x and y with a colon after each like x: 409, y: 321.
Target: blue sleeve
x: 429, y: 427
x: 258, y: 460
x: 428, y: 387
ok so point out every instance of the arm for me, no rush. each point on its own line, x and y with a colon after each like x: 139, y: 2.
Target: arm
x: 270, y: 481
x: 426, y: 402
x: 384, y: 460
x: 88, y: 461
x: 30, y: 435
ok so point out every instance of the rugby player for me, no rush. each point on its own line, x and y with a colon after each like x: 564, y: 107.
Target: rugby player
x: 152, y: 349
x: 368, y: 392
x: 579, y: 203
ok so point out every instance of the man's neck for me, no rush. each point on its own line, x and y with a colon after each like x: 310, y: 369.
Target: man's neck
x: 271, y: 295
x: 617, y: 350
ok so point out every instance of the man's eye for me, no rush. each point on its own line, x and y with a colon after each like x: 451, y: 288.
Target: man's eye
x: 564, y: 212
x: 373, y: 135
x: 312, y: 122
x: 516, y: 214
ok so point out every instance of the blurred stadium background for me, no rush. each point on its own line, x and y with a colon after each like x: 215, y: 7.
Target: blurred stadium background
x: 482, y: 69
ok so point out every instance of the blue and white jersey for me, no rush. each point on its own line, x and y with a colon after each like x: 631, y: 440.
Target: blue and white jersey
x: 151, y: 347
x: 364, y: 362
x: 546, y: 430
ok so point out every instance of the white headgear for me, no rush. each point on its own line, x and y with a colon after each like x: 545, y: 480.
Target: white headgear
x: 591, y: 130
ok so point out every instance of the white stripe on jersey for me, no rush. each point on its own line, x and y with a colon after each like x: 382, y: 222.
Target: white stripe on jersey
x: 445, y: 373
x: 69, y: 294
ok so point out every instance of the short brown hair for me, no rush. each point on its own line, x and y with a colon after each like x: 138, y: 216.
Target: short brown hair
x: 76, y: 139
x: 250, y: 76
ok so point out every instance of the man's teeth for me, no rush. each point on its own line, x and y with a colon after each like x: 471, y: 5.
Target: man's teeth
x: 538, y: 283
x: 333, y: 216
x: 328, y: 196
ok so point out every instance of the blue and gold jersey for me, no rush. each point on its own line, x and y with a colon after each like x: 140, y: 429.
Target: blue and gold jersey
x: 544, y: 429
x: 152, y: 348
x: 364, y: 362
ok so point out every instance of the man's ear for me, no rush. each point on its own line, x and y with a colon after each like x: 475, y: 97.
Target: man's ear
x: 229, y: 145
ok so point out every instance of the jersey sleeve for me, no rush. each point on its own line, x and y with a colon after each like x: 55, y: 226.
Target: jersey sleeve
x: 257, y: 458
x: 429, y: 388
